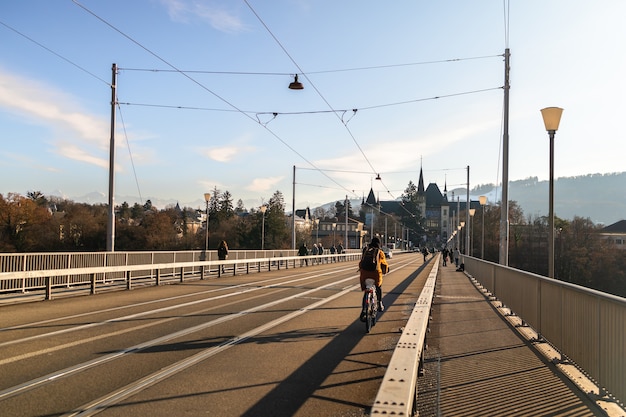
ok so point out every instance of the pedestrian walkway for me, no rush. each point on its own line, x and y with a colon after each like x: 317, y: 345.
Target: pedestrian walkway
x: 478, y: 364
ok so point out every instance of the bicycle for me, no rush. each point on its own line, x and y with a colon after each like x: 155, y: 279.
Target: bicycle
x: 370, y: 305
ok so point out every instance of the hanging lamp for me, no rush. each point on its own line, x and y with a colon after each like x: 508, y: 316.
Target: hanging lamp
x: 296, y: 85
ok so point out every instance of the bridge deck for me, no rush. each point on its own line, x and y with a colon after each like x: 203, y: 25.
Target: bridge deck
x: 477, y: 363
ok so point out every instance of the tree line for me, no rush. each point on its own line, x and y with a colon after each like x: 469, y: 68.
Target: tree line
x: 581, y: 255
x: 36, y: 223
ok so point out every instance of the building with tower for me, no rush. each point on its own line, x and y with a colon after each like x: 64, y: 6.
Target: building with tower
x: 438, y: 214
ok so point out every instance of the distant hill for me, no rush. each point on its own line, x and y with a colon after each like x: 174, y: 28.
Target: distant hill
x: 600, y: 197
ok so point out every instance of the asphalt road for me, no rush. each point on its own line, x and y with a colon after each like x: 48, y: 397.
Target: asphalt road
x: 279, y: 343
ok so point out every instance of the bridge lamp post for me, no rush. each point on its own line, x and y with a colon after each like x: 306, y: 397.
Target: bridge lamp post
x: 334, y: 228
x: 207, y: 198
x: 551, y: 119
x: 461, y: 230
x: 263, y: 210
x: 483, y: 201
x: 317, y: 230
x: 471, y: 230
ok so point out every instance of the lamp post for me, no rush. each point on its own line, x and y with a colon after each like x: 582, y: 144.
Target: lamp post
x: 461, y: 230
x: 207, y: 198
x: 551, y: 119
x: 483, y: 201
x: 263, y: 210
x: 317, y: 230
x: 334, y: 228
x: 471, y: 230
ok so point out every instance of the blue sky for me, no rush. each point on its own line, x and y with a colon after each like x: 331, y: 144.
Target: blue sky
x: 199, y: 82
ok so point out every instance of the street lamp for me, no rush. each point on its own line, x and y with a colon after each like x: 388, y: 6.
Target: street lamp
x: 462, y: 224
x: 207, y: 198
x: 263, y: 210
x: 317, y: 230
x: 334, y: 228
x: 551, y: 119
x: 471, y: 230
x: 483, y: 201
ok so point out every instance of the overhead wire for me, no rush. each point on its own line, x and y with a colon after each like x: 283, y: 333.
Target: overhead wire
x: 311, y: 83
x: 304, y: 73
x: 330, y: 71
x: 343, y: 111
x: 55, y: 53
x: 130, y: 154
x: 198, y: 83
x: 248, y: 114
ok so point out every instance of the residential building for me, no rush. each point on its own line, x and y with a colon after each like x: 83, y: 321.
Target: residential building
x: 615, y: 234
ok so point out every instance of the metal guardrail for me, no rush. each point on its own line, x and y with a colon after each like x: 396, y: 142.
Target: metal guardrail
x: 27, y: 272
x: 397, y: 395
x: 587, y: 327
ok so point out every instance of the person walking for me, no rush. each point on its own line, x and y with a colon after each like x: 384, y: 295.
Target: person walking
x: 457, y: 255
x: 303, y: 251
x: 444, y: 256
x: 339, y: 249
x: 222, y: 253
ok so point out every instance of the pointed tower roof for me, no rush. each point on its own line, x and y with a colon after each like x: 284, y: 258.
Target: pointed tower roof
x: 420, y: 184
x: 371, y: 199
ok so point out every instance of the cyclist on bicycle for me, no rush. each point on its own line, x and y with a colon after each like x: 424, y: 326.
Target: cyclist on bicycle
x: 381, y: 268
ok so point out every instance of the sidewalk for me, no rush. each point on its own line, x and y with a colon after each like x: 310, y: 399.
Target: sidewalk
x: 477, y: 364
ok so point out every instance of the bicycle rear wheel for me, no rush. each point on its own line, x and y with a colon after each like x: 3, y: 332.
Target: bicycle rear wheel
x: 374, y: 308
x: 370, y: 320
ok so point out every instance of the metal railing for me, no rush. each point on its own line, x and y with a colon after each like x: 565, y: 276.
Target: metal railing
x: 28, y: 272
x: 587, y: 327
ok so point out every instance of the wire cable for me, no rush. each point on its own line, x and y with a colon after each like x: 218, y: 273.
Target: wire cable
x: 55, y: 53
x: 373, y: 67
x: 199, y: 84
x: 343, y: 111
x: 130, y: 154
x: 311, y: 83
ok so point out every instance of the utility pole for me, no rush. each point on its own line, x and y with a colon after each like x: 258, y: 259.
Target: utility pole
x: 293, y: 211
x: 467, y: 215
x: 504, y: 204
x: 111, y: 217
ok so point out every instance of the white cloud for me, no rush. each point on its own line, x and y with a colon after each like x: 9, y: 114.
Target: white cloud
x: 226, y: 153
x: 264, y: 184
x: 217, y: 16
x: 47, y: 106
x: 222, y: 154
x: 26, y: 160
x: 74, y: 152
x: 405, y: 152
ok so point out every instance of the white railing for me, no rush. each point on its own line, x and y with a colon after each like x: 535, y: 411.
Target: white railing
x: 397, y: 395
x: 587, y: 327
x: 28, y: 272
